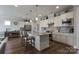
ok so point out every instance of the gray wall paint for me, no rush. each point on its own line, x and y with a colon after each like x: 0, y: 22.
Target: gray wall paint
x: 12, y: 26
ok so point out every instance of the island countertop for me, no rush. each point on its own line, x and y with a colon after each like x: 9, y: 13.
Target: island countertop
x: 38, y: 34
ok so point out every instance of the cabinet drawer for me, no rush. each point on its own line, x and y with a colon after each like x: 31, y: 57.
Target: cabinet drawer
x: 70, y: 40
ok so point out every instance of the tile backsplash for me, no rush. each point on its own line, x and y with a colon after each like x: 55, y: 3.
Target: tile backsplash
x: 66, y: 29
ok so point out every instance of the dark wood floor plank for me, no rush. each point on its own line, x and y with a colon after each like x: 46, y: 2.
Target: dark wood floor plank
x: 14, y: 46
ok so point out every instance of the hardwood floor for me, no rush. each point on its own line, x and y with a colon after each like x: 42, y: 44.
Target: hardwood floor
x: 14, y: 46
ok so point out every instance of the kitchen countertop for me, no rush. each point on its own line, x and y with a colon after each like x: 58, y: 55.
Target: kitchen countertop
x: 70, y: 34
x: 44, y: 33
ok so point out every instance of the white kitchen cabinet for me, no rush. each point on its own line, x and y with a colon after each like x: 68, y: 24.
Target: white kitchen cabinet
x: 50, y: 20
x: 69, y: 15
x: 58, y: 38
x: 63, y: 38
x: 55, y: 21
x: 37, y: 42
x: 58, y: 19
x: 44, y: 23
x: 41, y: 41
x: 69, y: 40
x: 54, y: 37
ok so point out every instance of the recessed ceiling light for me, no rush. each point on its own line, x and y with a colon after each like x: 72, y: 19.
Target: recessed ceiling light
x: 57, y: 7
x: 16, y: 5
x: 36, y: 18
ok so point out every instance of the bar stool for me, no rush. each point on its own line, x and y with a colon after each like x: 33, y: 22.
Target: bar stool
x: 28, y: 41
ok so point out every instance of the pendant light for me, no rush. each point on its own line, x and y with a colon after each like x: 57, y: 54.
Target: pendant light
x: 36, y: 18
x: 57, y: 7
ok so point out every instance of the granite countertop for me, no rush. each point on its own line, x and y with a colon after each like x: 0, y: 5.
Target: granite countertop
x: 70, y: 34
x: 44, y: 33
x: 37, y: 34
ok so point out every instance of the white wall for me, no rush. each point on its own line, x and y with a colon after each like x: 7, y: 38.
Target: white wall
x: 76, y: 27
x: 12, y: 26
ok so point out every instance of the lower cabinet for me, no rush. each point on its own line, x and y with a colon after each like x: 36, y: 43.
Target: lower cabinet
x: 54, y: 37
x: 42, y: 42
x: 67, y: 39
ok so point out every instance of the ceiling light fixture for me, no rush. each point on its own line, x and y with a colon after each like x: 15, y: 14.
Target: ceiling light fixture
x: 16, y: 5
x: 57, y: 7
x: 36, y: 18
x: 36, y: 13
x: 30, y: 20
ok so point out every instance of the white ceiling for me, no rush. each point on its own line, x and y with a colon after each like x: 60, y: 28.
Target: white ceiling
x: 24, y: 11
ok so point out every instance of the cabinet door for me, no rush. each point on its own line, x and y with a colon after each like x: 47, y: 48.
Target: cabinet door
x: 69, y: 15
x: 57, y: 21
x: 63, y: 16
x: 58, y: 38
x: 43, y: 23
x: 50, y: 20
x: 54, y: 37
x: 70, y: 40
x: 64, y: 39
x: 61, y: 38
x: 37, y: 42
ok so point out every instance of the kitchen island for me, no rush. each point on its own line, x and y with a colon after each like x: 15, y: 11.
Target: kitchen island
x: 41, y: 40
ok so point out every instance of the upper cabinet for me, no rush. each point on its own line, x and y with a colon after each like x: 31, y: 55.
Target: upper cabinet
x: 58, y: 20
x: 67, y: 15
x: 43, y: 23
x: 50, y: 20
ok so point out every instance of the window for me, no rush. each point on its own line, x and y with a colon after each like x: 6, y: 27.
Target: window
x: 7, y: 22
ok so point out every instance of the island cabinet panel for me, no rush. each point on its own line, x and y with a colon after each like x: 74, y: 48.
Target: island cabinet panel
x: 42, y: 41
x: 37, y: 42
